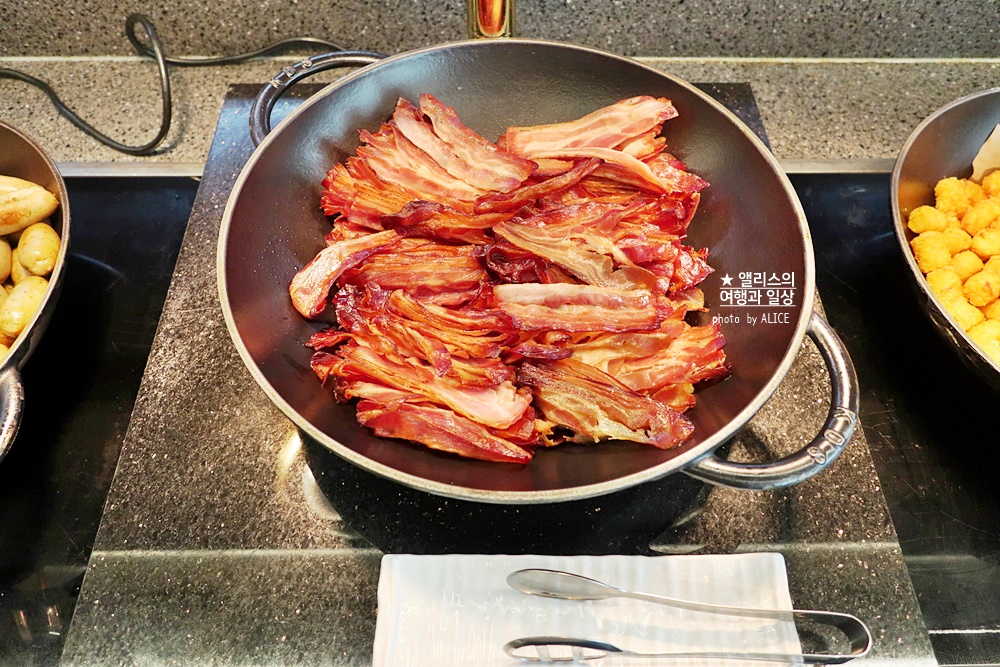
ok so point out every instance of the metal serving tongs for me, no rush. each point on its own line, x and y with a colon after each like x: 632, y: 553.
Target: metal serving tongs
x: 567, y: 586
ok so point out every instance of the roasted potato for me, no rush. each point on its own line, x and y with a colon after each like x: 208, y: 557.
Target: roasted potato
x: 38, y: 249
x: 21, y: 304
x: 23, y: 203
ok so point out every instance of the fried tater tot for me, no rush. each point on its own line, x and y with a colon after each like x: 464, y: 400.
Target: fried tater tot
x: 966, y: 264
x: 982, y: 288
x: 991, y: 184
x: 943, y: 279
x: 974, y: 191
x: 951, y: 196
x: 986, y: 243
x: 925, y: 219
x: 986, y: 335
x: 959, y: 307
x: 991, y: 310
x: 985, y: 331
x: 930, y: 251
x: 957, y: 239
x: 992, y: 348
x: 981, y: 215
x: 992, y: 265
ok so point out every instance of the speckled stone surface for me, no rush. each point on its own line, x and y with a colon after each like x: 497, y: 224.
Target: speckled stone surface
x: 218, y: 548
x: 824, y: 28
x: 813, y: 109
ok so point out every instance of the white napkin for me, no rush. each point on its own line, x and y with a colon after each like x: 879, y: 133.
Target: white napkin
x: 445, y: 611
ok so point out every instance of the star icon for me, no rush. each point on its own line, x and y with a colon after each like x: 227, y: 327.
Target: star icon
x: 727, y: 279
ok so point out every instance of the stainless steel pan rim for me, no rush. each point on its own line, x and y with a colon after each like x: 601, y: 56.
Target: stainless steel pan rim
x: 700, y: 461
x: 945, y: 323
x: 11, y: 386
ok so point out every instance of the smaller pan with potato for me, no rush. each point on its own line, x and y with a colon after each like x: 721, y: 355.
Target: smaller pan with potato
x: 34, y: 237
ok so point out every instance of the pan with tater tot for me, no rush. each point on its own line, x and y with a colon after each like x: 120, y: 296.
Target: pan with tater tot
x: 34, y: 236
x: 946, y: 209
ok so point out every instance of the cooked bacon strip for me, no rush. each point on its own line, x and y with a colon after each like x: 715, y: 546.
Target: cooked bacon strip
x: 671, y: 213
x: 507, y: 171
x: 673, y: 177
x: 657, y: 175
x: 566, y: 307
x: 395, y: 159
x: 646, y: 244
x: 681, y: 272
x: 547, y: 168
x: 647, y: 178
x: 480, y: 372
x: 466, y: 333
x: 645, y: 145
x: 515, y: 265
x: 398, y: 326
x: 437, y: 221
x: 607, y: 127
x: 691, y: 268
x: 431, y: 268
x: 357, y: 193
x: 597, y: 407
x: 591, y: 267
x: 327, y: 338
x: 322, y: 364
x: 498, y: 406
x: 562, y: 220
x: 439, y: 429
x: 411, y: 123
x: 586, y: 256
x: 678, y: 396
x: 694, y: 355
x: 311, y: 285
x: 608, y: 351
x: 392, y: 337
x: 534, y: 350
x: 379, y: 393
x: 525, y: 431
x: 518, y: 198
x: 470, y: 321
x: 363, y: 314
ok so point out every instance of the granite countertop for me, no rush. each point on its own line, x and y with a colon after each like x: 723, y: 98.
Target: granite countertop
x: 813, y: 108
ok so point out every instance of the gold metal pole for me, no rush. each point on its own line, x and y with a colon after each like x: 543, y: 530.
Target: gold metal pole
x: 491, y: 18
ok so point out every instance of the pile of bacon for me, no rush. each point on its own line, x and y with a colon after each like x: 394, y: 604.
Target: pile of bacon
x: 496, y: 297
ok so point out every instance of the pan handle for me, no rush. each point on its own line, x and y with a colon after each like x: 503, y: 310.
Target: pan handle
x: 823, y: 449
x: 11, y: 407
x: 260, y: 112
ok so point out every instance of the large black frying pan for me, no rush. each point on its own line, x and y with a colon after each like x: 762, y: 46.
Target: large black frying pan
x: 22, y: 158
x: 749, y: 217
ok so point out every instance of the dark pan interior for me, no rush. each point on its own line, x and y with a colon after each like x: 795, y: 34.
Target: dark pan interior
x: 749, y: 218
